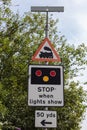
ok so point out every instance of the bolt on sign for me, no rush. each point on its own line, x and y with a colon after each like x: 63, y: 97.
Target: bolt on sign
x: 46, y: 52
x: 45, y: 85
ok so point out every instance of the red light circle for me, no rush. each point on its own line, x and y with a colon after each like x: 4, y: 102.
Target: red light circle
x: 53, y: 73
x: 38, y: 73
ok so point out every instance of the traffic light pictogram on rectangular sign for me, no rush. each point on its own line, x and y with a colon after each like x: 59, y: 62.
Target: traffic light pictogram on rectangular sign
x: 45, y: 75
x: 42, y: 75
x: 45, y: 85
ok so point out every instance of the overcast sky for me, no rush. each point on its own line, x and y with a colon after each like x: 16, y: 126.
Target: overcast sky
x: 72, y: 23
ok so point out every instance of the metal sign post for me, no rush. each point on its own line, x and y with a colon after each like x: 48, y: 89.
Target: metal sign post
x: 47, y: 9
x: 46, y: 27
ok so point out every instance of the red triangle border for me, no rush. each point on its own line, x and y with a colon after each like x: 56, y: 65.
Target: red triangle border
x: 46, y: 59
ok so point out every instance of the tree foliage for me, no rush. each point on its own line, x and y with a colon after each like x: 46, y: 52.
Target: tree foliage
x: 19, y: 39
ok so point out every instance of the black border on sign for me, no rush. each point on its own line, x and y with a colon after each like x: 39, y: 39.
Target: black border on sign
x: 63, y: 85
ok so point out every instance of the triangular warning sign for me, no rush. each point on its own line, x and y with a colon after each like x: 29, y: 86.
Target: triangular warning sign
x: 46, y: 52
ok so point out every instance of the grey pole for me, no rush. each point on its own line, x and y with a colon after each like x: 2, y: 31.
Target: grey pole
x: 47, y: 9
x: 46, y: 27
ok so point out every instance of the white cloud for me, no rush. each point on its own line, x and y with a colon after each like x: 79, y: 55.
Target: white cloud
x: 82, y: 21
x: 74, y: 21
x: 78, y: 2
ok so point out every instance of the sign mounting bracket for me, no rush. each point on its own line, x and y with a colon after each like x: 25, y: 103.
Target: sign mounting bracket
x: 47, y: 9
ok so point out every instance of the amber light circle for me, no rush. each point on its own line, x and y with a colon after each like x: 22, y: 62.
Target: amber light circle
x: 38, y: 73
x: 45, y: 78
x: 53, y: 73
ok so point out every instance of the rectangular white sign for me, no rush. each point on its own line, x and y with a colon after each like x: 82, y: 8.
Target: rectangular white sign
x: 47, y: 119
x: 45, y: 85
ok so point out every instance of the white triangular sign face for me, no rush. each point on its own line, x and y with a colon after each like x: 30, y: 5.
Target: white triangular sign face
x: 46, y: 52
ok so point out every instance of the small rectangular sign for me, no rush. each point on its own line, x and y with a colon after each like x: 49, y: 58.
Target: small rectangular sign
x: 46, y: 119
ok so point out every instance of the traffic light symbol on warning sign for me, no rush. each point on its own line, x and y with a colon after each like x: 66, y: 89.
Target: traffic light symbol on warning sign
x: 42, y: 75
